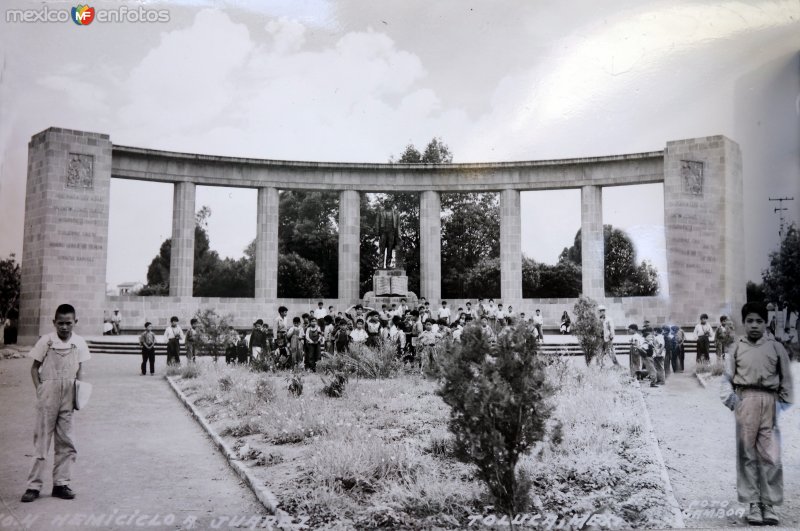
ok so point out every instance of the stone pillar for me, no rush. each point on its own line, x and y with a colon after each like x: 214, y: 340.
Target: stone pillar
x: 349, y: 246
x: 430, y: 255
x: 592, y: 246
x: 267, y: 244
x: 510, y: 248
x: 704, y: 228
x: 181, y: 264
x: 66, y: 231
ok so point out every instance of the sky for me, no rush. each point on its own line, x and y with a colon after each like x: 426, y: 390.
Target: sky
x: 356, y: 81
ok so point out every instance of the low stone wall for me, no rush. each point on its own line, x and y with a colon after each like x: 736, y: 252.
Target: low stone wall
x: 158, y: 310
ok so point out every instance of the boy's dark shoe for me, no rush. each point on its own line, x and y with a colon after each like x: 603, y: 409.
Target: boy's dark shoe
x: 29, y: 495
x: 754, y: 516
x: 63, y: 492
x: 768, y: 515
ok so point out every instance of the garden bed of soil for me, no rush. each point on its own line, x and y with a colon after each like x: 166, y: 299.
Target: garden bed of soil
x: 381, y: 454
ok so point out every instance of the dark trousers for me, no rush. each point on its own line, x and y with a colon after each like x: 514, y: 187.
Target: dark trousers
x: 668, y: 353
x: 173, y: 351
x: 677, y: 358
x: 148, y: 354
x: 702, y: 348
x: 312, y: 355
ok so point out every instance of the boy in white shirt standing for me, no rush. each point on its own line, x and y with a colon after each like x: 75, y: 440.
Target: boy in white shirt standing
x: 57, y: 362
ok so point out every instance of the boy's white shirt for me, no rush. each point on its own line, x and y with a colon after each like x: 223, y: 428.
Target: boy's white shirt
x: 703, y: 329
x: 51, y: 340
x: 171, y: 332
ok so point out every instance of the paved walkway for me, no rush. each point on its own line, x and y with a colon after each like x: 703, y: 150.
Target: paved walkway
x: 696, y: 435
x: 139, y: 453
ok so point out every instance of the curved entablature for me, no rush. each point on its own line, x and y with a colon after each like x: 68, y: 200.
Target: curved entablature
x: 165, y: 166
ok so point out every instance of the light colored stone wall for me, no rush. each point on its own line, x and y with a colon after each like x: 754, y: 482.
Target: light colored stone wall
x: 510, y: 246
x: 158, y: 310
x: 66, y: 224
x: 592, y: 244
x: 704, y: 229
x: 349, y: 245
x: 66, y: 230
x: 181, y: 265
x: 266, y: 285
x: 430, y: 256
x: 622, y: 310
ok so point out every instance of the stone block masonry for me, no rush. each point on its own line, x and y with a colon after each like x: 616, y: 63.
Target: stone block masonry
x: 66, y: 230
x: 67, y: 210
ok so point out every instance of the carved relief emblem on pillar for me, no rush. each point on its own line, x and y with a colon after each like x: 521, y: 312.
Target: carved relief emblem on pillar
x: 692, y: 177
x: 80, y: 171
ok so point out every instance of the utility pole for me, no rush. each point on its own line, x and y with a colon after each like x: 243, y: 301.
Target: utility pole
x: 781, y: 209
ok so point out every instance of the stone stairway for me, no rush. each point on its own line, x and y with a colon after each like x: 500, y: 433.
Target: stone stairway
x: 555, y: 344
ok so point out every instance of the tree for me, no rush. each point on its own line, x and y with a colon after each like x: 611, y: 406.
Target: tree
x: 482, y: 280
x: 498, y: 398
x: 755, y: 292
x: 10, y: 278
x: 587, y: 327
x: 436, y: 152
x: 308, y: 227
x: 782, y: 277
x: 544, y: 281
x: 623, y: 277
x: 470, y: 237
x: 206, y: 262
x: 215, y: 332
x: 299, y: 277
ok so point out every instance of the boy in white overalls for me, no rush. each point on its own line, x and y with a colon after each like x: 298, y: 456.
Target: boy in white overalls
x: 57, y: 363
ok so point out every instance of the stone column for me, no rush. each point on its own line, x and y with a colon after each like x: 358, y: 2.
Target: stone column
x: 349, y: 245
x: 704, y: 228
x: 65, y: 249
x: 592, y: 246
x: 267, y: 244
x: 181, y: 264
x: 430, y: 255
x: 510, y: 248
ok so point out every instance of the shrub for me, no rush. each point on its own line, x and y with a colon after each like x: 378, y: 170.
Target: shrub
x: 498, y: 398
x: 334, y: 388
x: 295, y: 381
x: 214, y: 332
x: 190, y: 370
x: 265, y: 391
x: 265, y: 364
x: 363, y: 361
x: 173, y: 370
x: 587, y: 327
x: 338, y: 362
x: 225, y: 383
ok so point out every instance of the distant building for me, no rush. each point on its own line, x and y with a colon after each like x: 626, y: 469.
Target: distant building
x: 129, y: 288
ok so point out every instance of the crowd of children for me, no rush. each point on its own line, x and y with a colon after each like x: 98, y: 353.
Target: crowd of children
x: 414, y: 332
x: 302, y: 340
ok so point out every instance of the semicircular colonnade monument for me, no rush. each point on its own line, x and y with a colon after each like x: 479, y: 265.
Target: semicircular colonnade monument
x: 67, y: 213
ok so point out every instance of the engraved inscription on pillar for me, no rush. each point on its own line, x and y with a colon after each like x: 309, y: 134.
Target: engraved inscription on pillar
x: 692, y: 177
x: 80, y: 171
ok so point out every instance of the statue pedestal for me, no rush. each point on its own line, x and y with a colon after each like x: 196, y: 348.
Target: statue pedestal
x: 389, y: 286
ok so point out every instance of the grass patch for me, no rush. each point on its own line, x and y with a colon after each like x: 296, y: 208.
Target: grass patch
x: 381, y: 455
x: 715, y: 368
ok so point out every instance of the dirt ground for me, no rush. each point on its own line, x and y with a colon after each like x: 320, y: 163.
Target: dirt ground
x: 142, y: 460
x: 696, y: 436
